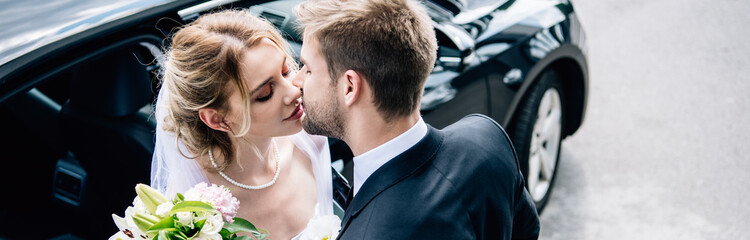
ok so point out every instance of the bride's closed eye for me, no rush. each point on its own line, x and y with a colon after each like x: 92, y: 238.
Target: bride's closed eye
x: 265, y: 93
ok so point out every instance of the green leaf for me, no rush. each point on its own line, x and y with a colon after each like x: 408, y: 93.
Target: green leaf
x: 150, y: 197
x: 260, y: 235
x: 181, y: 235
x: 169, y: 235
x: 192, y: 206
x: 178, y: 198
x: 199, y: 224
x: 243, y: 238
x: 240, y: 225
x: 144, y: 221
x: 164, y: 235
x: 168, y: 222
x: 225, y: 234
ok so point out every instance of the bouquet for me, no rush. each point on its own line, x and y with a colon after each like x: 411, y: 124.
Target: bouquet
x: 203, y: 212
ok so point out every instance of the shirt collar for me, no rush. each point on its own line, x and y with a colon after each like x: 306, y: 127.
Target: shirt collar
x: 367, y: 163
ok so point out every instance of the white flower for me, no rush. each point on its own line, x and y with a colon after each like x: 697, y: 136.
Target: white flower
x: 120, y: 235
x: 163, y: 209
x: 129, y: 212
x: 322, y: 228
x: 193, y: 194
x: 213, y: 224
x: 185, y: 218
x: 208, y: 236
x: 127, y: 226
x: 139, y: 206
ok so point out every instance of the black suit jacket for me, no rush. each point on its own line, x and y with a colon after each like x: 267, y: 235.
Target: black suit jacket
x: 462, y: 182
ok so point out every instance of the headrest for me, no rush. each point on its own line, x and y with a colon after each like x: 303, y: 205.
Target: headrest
x: 115, y: 84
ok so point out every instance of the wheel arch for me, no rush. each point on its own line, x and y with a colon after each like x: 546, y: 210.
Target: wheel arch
x: 571, y: 77
x: 569, y: 62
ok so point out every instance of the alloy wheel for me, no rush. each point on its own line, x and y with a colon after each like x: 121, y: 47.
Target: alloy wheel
x: 545, y: 144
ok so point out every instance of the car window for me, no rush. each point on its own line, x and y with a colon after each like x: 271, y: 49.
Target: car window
x: 27, y: 25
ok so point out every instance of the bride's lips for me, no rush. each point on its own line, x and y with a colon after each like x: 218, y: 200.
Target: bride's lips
x: 297, y: 113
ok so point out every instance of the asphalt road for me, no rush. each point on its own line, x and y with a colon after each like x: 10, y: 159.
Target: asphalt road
x: 663, y: 151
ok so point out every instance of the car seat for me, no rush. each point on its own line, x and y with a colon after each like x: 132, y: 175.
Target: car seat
x: 108, y: 125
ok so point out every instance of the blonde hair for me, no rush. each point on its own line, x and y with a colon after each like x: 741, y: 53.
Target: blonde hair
x: 202, y: 69
x: 390, y: 42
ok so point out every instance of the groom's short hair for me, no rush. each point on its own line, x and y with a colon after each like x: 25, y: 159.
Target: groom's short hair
x: 390, y: 42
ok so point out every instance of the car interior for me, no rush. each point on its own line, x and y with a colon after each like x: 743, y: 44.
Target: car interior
x: 79, y: 138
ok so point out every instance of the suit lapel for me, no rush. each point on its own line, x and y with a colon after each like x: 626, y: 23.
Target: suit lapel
x: 396, y: 170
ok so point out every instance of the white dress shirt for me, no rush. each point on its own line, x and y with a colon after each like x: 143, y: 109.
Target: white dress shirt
x: 367, y: 163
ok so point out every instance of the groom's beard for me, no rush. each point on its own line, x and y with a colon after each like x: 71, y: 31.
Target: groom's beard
x: 323, y: 118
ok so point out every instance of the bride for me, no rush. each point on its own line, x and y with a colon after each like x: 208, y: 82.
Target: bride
x: 228, y: 115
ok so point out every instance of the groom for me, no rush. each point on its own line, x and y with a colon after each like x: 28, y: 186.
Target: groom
x: 365, y: 64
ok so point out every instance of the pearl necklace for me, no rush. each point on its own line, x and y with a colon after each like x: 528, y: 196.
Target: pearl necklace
x: 250, y: 187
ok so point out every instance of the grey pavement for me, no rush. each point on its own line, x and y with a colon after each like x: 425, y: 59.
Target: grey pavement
x: 663, y: 152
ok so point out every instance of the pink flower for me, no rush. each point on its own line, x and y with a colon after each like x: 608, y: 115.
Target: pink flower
x: 217, y: 196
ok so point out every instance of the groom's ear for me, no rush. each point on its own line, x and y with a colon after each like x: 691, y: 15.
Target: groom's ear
x: 213, y: 119
x: 354, y: 84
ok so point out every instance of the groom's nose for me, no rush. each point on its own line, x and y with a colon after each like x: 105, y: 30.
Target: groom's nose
x: 298, y: 81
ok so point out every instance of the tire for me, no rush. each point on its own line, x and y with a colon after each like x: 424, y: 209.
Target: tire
x: 537, y: 134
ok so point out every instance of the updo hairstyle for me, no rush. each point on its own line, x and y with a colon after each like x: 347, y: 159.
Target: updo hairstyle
x: 202, y: 69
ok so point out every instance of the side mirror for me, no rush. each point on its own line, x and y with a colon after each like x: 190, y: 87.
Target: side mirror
x: 455, y: 48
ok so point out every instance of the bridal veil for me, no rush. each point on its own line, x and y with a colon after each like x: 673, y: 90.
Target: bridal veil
x: 171, y: 171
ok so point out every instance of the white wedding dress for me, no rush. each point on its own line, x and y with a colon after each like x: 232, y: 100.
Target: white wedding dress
x: 172, y: 173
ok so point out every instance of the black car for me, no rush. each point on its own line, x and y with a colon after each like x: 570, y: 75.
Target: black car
x: 78, y: 81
